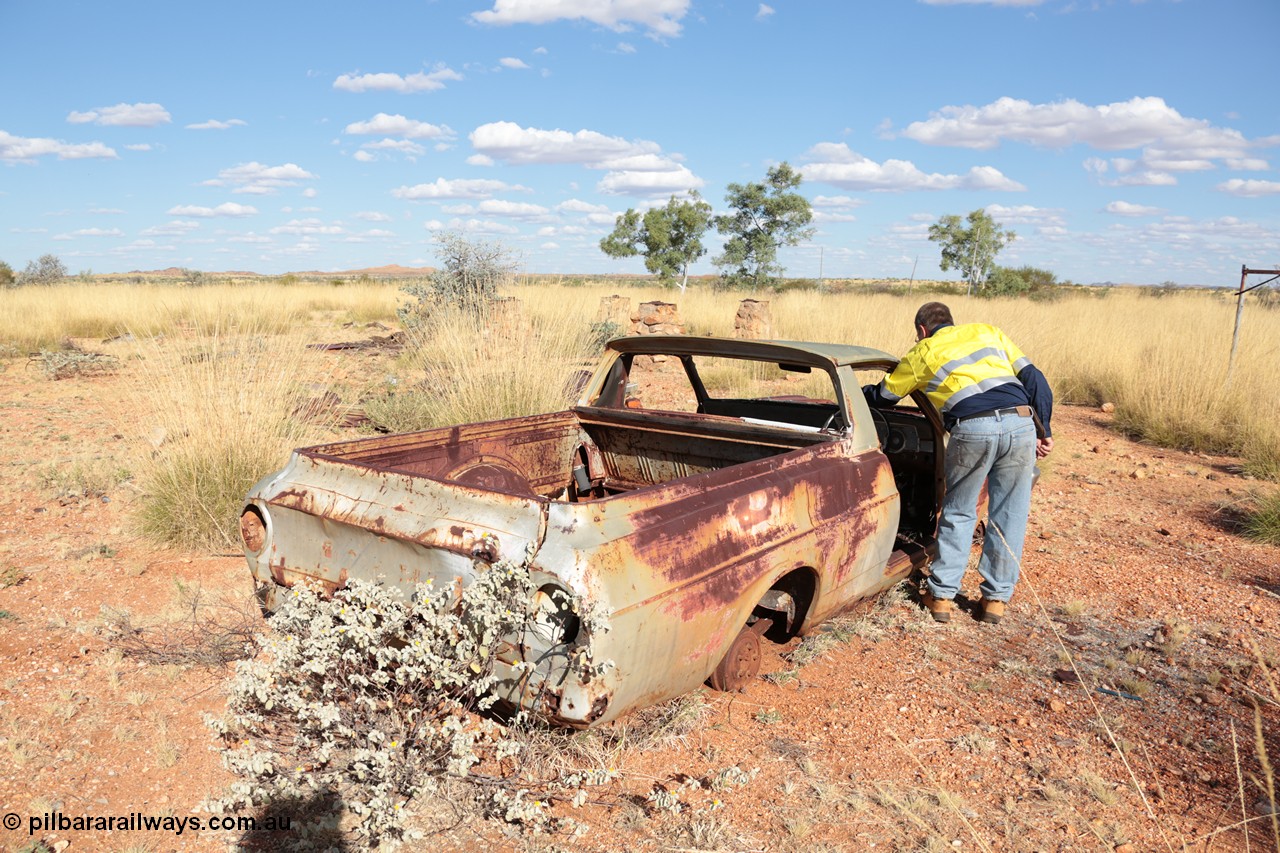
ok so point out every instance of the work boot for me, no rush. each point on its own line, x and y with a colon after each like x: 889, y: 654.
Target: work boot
x: 992, y: 611
x: 939, y: 608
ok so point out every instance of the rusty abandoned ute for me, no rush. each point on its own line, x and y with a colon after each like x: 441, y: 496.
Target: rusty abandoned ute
x: 696, y: 530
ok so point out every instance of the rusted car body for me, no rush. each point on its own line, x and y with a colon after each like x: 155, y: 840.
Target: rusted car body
x: 694, y: 533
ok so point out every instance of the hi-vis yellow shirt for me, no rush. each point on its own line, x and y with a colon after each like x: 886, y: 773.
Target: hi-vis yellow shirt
x: 954, y: 364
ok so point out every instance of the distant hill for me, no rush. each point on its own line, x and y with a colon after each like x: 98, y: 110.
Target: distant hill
x: 387, y: 270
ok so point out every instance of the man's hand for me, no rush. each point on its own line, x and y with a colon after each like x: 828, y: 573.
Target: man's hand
x: 1043, y: 446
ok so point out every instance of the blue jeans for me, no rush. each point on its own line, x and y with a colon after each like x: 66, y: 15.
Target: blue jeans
x: 1000, y: 450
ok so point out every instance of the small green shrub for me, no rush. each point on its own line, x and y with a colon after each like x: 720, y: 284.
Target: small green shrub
x: 1263, y: 522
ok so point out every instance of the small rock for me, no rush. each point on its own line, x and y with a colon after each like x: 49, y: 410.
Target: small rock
x: 1127, y: 847
x: 1138, y: 474
x: 1057, y: 706
x: 1108, y: 407
x: 1066, y: 676
x: 61, y: 845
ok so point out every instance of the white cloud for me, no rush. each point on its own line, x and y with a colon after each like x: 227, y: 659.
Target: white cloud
x: 387, y: 82
x: 1045, y: 220
x: 512, y: 62
x: 549, y: 246
x: 836, y: 164
x: 310, y: 192
x: 364, y: 157
x: 511, y: 143
x: 1170, y: 142
x: 433, y: 225
x: 26, y: 149
x: 479, y: 160
x: 97, y: 232
x: 661, y: 17
x: 250, y: 237
x: 140, y: 146
x: 625, y: 47
x: 463, y: 188
x: 1124, y: 208
x: 398, y: 125
x: 403, y: 146
x: 177, y: 227
x: 576, y: 205
x: 635, y: 167
x: 1249, y: 189
x: 1248, y: 164
x: 837, y: 201
x: 649, y: 183
x: 259, y: 179
x: 229, y: 208
x: 764, y: 12
x: 307, y: 227
x: 480, y: 226
x: 214, y: 124
x: 372, y: 216
x: 513, y: 209
x: 105, y: 210
x: 123, y: 115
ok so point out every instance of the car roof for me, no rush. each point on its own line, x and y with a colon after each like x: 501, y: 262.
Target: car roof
x: 791, y: 352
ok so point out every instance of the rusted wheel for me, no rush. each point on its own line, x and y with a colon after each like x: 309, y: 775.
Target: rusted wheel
x: 979, y: 532
x: 740, y: 665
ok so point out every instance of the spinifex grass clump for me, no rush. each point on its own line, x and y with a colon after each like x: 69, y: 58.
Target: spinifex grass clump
x: 369, y: 699
x: 1263, y: 522
x: 462, y: 367
x: 217, y: 409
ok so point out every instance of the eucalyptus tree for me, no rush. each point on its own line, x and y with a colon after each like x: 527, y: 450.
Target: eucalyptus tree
x: 763, y: 217
x: 970, y: 248
x: 670, y: 237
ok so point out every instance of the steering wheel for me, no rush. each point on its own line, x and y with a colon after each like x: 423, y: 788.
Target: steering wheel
x: 881, y: 421
x: 831, y: 420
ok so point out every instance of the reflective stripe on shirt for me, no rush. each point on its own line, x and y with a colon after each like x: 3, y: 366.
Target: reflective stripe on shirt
x: 956, y: 363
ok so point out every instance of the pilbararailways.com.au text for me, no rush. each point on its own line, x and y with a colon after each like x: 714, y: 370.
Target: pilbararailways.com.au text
x: 138, y: 822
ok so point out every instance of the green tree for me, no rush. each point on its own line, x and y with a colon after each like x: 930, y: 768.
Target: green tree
x: 765, y: 216
x: 6, y: 275
x: 48, y: 270
x: 670, y: 238
x: 970, y: 248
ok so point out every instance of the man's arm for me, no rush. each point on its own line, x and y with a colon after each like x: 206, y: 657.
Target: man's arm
x: 1042, y: 401
x: 876, y: 397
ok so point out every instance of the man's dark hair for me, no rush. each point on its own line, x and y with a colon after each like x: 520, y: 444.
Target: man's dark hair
x: 932, y: 315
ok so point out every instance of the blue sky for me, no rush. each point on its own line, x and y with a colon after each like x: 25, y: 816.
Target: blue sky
x: 1122, y: 141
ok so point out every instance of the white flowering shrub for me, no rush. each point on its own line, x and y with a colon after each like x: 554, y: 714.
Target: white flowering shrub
x: 368, y: 699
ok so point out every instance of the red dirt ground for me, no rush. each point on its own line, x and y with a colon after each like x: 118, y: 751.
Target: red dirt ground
x: 906, y: 735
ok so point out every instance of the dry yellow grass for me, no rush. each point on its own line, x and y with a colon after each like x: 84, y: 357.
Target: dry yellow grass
x: 33, y: 318
x: 217, y: 407
x: 1162, y: 362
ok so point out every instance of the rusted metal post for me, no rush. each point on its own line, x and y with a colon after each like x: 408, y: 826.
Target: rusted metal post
x: 1235, y: 334
x: 1245, y: 272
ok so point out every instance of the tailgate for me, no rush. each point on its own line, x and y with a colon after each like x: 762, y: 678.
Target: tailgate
x: 326, y: 520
